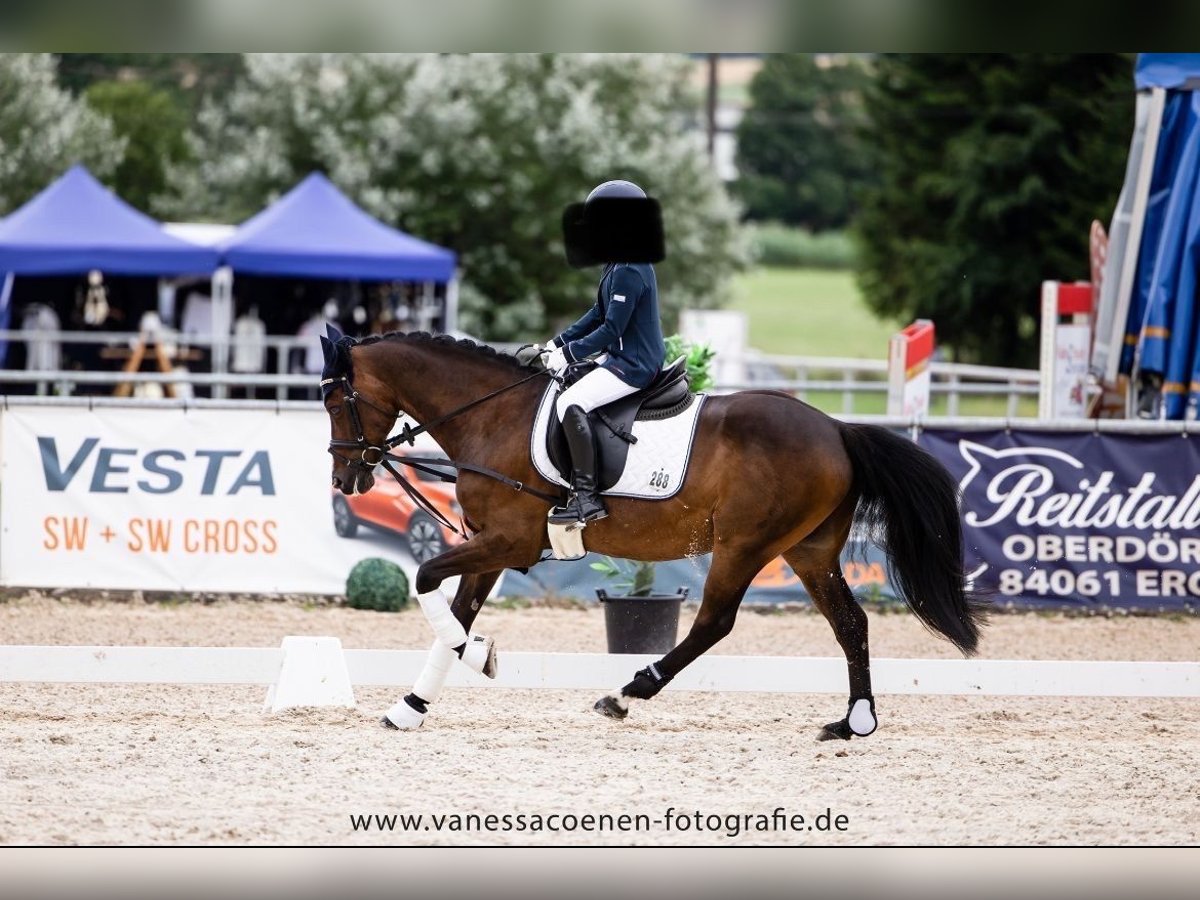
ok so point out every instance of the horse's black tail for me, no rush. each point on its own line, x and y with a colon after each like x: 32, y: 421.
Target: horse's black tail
x: 908, y: 503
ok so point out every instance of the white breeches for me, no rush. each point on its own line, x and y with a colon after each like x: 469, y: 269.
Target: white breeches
x: 592, y: 391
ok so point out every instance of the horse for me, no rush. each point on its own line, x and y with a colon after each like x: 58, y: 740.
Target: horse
x: 768, y: 476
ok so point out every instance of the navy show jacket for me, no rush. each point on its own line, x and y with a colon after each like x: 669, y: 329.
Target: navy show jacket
x: 624, y: 323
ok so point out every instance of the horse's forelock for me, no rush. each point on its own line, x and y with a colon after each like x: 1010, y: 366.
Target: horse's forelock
x: 337, y: 361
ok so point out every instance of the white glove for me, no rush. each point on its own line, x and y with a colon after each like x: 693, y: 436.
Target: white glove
x: 555, y: 360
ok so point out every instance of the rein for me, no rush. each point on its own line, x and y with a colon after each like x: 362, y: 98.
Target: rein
x: 372, y: 455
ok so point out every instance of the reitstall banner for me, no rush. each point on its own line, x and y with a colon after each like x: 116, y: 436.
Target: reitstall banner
x: 1078, y: 519
x: 172, y: 499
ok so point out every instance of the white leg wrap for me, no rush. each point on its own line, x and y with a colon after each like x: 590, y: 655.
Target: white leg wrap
x: 861, y: 719
x: 480, y: 655
x: 404, y: 717
x: 437, y: 610
x: 432, y: 679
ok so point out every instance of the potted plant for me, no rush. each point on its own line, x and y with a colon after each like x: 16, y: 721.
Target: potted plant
x: 699, y: 356
x: 637, y: 620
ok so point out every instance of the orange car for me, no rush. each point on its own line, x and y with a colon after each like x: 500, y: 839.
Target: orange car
x: 387, y: 507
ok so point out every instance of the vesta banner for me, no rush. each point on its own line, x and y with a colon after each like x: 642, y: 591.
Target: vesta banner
x: 167, y: 499
x: 1068, y: 518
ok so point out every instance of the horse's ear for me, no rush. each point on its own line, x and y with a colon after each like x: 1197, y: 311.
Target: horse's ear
x: 334, y: 334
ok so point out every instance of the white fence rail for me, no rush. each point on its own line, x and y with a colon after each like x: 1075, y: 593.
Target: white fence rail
x: 601, y: 671
x: 65, y: 382
x: 852, y: 378
x: 802, y: 376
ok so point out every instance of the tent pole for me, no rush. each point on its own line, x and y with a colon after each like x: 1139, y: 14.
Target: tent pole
x: 1141, y: 196
x: 425, y: 314
x: 450, y: 307
x: 5, y: 313
x: 222, y: 322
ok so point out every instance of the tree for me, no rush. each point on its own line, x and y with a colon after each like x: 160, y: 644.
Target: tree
x: 480, y: 153
x: 799, y: 155
x: 44, y: 130
x: 990, y: 169
x: 188, y: 77
x: 154, y: 128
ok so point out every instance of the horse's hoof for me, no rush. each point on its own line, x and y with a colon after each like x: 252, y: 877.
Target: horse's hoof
x: 491, y: 667
x: 479, y: 655
x: 836, y: 731
x: 402, y: 717
x: 610, y: 707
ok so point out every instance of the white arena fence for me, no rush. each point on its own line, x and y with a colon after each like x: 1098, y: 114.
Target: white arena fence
x: 316, y: 671
x: 801, y: 376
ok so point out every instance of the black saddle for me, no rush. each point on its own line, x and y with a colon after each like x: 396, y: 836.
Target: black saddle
x: 668, y: 395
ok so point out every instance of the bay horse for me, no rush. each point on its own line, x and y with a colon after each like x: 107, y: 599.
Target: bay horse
x: 768, y: 476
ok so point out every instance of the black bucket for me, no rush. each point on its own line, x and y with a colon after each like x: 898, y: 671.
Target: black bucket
x: 642, y: 624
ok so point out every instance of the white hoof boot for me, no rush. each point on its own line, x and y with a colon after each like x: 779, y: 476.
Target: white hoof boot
x: 862, y: 719
x: 479, y: 655
x: 403, y: 717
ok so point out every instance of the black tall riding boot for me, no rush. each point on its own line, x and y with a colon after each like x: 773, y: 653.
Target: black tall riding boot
x: 584, y: 504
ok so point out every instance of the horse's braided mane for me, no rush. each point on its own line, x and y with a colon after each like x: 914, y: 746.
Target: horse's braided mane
x: 445, y: 340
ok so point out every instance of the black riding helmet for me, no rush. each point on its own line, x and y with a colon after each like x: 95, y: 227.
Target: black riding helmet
x: 616, y: 223
x: 618, y: 188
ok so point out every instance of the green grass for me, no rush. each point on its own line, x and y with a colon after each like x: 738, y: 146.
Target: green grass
x: 813, y: 312
x: 810, y: 312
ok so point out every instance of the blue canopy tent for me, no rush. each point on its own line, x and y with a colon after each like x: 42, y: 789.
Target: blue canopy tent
x: 76, y: 225
x: 315, y: 231
x: 1147, y: 322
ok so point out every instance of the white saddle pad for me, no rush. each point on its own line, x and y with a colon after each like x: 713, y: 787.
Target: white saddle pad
x: 656, y: 464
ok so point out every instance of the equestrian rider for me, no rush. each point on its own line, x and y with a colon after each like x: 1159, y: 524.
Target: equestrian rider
x: 623, y: 327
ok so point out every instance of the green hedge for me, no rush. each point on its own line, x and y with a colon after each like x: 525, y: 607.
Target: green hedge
x: 781, y: 245
x: 376, y: 583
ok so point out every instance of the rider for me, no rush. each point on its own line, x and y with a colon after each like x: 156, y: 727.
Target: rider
x: 624, y: 328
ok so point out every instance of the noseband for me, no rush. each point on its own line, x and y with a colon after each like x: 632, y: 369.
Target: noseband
x: 370, y: 455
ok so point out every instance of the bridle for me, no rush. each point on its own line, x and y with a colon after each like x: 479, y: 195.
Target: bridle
x: 377, y: 453
x: 371, y: 455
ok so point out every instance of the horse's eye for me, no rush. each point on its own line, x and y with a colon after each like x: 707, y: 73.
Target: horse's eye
x: 335, y: 410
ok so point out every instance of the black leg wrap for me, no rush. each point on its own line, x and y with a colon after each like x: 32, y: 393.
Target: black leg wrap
x: 646, y: 683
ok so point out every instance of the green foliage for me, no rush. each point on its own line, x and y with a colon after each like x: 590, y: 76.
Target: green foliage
x: 633, y: 578
x: 187, y: 77
x: 153, y: 125
x: 775, y: 244
x: 990, y: 170
x: 44, y: 130
x: 699, y: 358
x: 800, y: 155
x: 479, y: 153
x: 376, y: 583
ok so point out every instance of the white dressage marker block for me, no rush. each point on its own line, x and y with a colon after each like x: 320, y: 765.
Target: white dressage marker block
x: 313, y: 673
